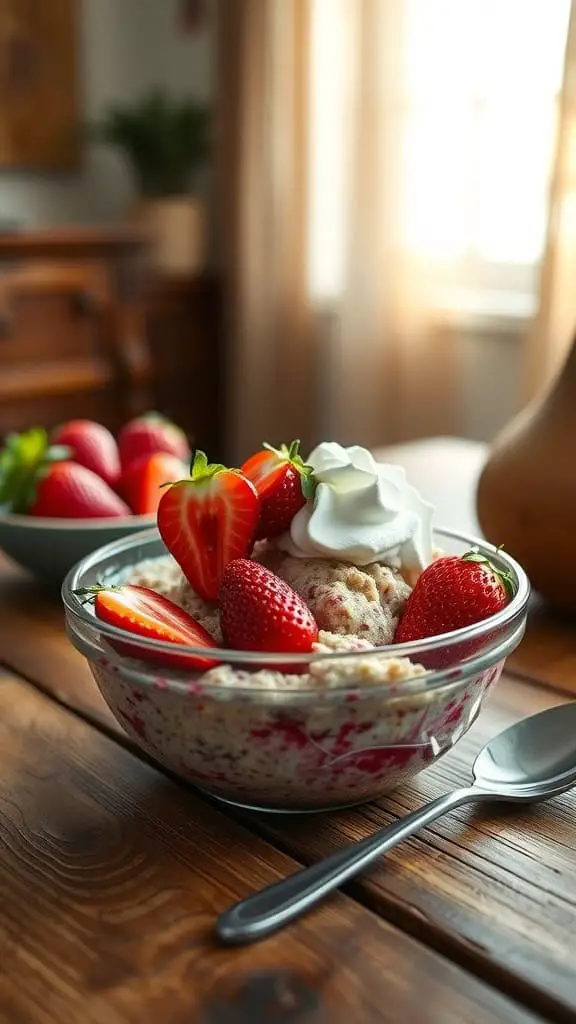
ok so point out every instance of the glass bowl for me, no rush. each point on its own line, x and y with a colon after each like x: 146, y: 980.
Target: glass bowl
x: 296, y: 732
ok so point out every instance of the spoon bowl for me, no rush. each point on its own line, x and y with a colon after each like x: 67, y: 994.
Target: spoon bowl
x: 533, y: 760
x: 536, y: 755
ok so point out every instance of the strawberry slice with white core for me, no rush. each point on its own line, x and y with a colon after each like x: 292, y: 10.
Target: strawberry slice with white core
x: 145, y: 613
x: 207, y: 521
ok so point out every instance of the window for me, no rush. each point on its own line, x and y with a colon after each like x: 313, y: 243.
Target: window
x: 481, y: 84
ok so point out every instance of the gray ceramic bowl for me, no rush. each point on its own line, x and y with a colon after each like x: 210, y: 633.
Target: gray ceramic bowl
x: 50, y: 547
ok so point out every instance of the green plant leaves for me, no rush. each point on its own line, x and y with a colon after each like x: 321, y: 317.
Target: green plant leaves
x: 164, y: 140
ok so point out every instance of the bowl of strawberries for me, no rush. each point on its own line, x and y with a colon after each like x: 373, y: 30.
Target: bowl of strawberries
x: 296, y: 635
x: 65, y: 493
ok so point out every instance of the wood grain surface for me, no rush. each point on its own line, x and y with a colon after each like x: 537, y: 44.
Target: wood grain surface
x: 110, y: 879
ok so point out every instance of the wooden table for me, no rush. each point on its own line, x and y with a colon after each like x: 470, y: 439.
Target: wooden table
x: 111, y: 873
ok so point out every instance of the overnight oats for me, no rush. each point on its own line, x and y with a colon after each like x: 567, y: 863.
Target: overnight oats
x: 296, y: 636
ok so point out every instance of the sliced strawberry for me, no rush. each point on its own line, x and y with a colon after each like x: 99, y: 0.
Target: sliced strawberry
x: 142, y: 482
x: 93, y: 446
x: 142, y: 612
x: 208, y: 520
x: 260, y: 612
x: 284, y: 482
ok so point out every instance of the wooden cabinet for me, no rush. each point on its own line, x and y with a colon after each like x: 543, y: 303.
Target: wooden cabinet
x: 86, y: 330
x: 72, y: 327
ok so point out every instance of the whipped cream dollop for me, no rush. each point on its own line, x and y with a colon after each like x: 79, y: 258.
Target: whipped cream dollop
x: 363, y: 511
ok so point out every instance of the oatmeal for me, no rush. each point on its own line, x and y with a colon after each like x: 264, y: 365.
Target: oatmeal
x: 165, y: 577
x: 379, y: 595
x: 345, y: 599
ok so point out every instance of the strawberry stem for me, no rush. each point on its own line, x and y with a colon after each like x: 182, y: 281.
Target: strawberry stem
x: 504, y: 577
x: 291, y: 453
x: 286, y: 452
x: 201, y: 469
x: 90, y: 593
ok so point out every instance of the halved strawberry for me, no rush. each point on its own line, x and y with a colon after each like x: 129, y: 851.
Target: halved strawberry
x: 207, y: 521
x: 260, y: 612
x: 142, y: 612
x: 283, y: 481
x: 142, y: 481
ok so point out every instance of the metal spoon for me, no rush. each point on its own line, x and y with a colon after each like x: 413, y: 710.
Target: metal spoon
x: 532, y: 760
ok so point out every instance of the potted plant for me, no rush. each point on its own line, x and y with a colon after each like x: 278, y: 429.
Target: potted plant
x: 165, y: 142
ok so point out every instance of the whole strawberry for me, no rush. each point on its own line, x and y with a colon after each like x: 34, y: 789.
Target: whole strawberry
x: 69, y: 491
x: 92, y: 445
x: 451, y: 593
x: 283, y: 482
x: 260, y: 612
x: 149, y: 434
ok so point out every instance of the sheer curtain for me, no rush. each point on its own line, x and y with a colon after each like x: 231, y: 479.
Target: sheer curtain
x: 383, y: 164
x: 554, y: 325
x: 263, y: 219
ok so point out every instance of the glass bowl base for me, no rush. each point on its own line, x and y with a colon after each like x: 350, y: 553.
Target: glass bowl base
x: 281, y: 810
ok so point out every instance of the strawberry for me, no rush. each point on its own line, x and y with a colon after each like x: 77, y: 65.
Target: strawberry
x: 143, y: 612
x: 93, y: 446
x: 141, y: 482
x: 283, y: 482
x: 65, y: 489
x: 451, y: 593
x: 152, y: 433
x: 260, y: 612
x: 39, y: 479
x: 208, y: 520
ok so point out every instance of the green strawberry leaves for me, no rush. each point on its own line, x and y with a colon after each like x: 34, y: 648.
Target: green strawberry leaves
x: 201, y: 469
x: 88, y: 594
x: 291, y: 453
x: 24, y: 459
x: 505, y: 578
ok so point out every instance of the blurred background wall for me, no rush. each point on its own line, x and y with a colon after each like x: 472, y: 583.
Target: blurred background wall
x: 125, y: 48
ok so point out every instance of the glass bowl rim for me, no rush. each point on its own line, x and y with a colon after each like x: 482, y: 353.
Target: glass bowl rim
x: 260, y: 660
x: 167, y: 680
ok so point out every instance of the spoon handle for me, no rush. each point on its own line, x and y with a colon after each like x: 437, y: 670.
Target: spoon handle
x: 277, y: 904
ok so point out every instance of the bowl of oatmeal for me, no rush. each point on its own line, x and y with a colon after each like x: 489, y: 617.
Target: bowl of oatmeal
x: 339, y: 725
